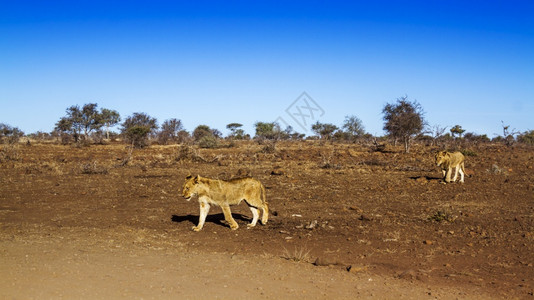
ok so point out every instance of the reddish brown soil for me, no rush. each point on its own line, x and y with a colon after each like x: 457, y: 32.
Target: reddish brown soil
x: 77, y: 223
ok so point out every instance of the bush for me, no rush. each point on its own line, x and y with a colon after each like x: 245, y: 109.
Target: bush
x: 468, y: 152
x: 9, y: 152
x: 527, y: 137
x: 208, y: 142
x: 92, y: 168
x: 170, y: 131
x: 138, y: 136
x: 137, y: 128
x: 441, y: 216
x: 9, y: 134
x: 201, y: 132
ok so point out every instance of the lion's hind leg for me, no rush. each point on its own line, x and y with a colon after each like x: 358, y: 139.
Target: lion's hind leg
x: 255, y: 216
x: 255, y: 212
x: 255, y: 209
x: 265, y: 213
x: 228, y: 217
x: 462, y: 172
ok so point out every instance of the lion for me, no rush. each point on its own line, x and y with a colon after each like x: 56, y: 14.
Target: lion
x: 225, y: 193
x: 447, y: 161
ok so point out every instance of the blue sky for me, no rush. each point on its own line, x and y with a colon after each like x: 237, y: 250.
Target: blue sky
x: 466, y: 62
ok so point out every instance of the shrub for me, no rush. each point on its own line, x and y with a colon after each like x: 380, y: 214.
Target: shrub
x: 9, y: 134
x: 441, y: 216
x: 468, y: 152
x: 170, y: 131
x: 137, y: 127
x: 208, y: 142
x: 527, y: 137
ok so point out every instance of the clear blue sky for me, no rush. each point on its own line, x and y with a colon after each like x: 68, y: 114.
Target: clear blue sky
x: 466, y: 62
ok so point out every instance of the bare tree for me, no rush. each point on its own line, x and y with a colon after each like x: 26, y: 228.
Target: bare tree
x: 508, y: 135
x: 403, y: 120
x: 436, y: 132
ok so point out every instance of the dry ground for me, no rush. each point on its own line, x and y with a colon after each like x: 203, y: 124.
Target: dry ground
x: 83, y: 223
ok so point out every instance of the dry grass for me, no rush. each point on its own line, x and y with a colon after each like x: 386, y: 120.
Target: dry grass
x: 9, y: 152
x: 301, y: 254
x: 93, y: 168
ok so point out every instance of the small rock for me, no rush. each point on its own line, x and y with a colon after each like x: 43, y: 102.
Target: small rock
x: 312, y: 225
x: 356, y: 209
x: 421, y: 179
x: 243, y: 173
x: 428, y: 242
x: 364, y: 218
x: 355, y: 269
x: 469, y: 172
x: 408, y: 274
x: 277, y: 171
x: 324, y: 261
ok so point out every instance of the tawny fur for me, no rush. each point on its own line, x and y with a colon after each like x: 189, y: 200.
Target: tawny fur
x: 447, y: 161
x: 225, y: 193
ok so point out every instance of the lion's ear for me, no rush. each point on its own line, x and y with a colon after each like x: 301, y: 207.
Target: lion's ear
x: 197, y: 178
x: 189, y: 176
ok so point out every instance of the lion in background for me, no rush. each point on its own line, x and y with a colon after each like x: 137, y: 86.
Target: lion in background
x: 449, y: 160
x: 225, y: 193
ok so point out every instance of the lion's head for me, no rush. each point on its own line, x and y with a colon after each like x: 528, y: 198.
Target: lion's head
x: 190, y: 187
x: 442, y: 157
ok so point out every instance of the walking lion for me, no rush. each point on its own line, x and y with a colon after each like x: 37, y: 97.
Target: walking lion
x: 225, y: 193
x: 447, y: 161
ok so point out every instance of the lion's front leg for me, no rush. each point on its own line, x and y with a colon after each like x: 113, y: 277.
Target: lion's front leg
x: 456, y: 173
x: 204, y: 209
x: 448, y: 176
